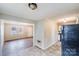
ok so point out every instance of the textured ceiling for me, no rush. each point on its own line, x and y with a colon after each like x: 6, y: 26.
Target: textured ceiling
x: 43, y: 11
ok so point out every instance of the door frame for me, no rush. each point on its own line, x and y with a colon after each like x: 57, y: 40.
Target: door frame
x: 2, y: 34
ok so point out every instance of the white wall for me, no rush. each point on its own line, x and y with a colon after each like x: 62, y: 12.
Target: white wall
x: 50, y: 33
x: 0, y: 39
x: 14, y: 18
x: 1, y: 35
x: 46, y: 32
x: 39, y: 34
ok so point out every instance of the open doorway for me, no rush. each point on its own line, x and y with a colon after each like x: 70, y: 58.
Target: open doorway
x: 17, y: 36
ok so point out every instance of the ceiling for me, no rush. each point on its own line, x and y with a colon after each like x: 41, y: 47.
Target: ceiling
x: 44, y: 10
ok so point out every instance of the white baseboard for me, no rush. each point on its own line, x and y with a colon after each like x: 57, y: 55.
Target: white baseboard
x: 49, y: 45
x: 44, y: 48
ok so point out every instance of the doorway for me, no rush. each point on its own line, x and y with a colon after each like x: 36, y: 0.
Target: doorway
x: 17, y: 36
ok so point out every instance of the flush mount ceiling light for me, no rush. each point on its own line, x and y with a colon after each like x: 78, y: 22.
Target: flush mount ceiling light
x: 32, y: 6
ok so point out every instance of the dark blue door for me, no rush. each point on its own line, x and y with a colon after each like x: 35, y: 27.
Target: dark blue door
x: 70, y: 40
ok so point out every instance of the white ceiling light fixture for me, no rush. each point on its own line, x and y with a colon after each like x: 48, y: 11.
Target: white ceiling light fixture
x: 32, y: 6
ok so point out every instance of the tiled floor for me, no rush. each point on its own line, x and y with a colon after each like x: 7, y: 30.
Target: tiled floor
x: 17, y: 50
